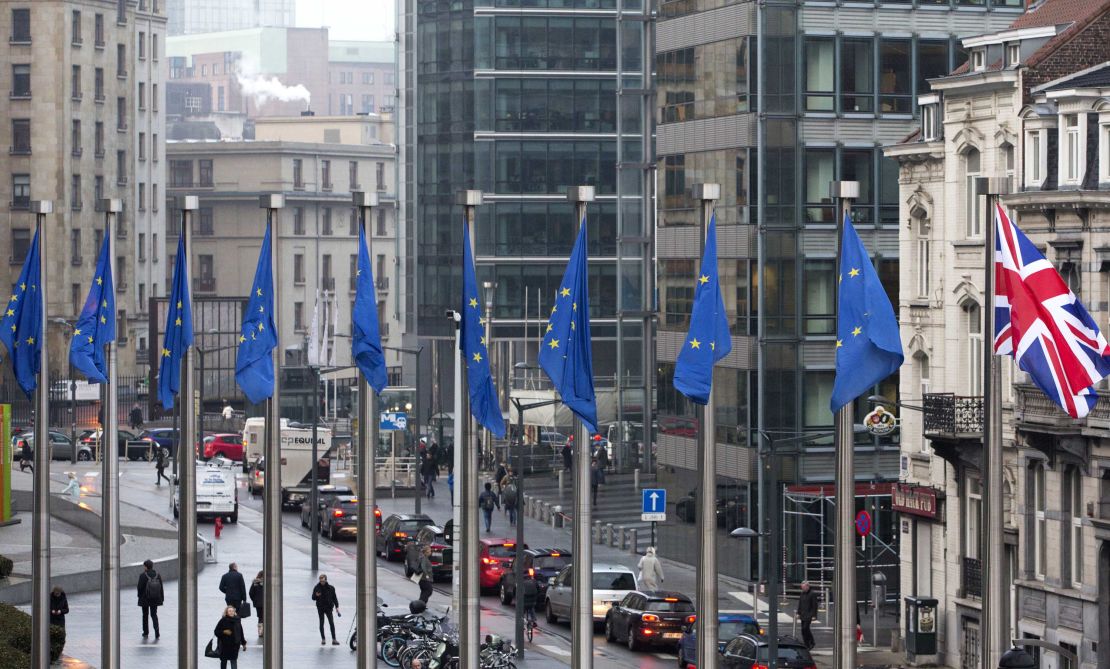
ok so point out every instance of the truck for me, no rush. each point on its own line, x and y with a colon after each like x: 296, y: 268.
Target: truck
x: 296, y: 459
x: 217, y: 493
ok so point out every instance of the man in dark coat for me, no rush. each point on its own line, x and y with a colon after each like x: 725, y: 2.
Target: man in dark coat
x: 151, y: 596
x: 233, y: 586
x: 324, y: 596
x: 26, y: 455
x: 568, y: 457
x: 807, y: 611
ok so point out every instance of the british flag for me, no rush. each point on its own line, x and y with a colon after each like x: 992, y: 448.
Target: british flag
x: 1039, y: 321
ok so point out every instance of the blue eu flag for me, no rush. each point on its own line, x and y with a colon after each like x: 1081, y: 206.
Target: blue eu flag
x: 96, y: 326
x: 483, y: 396
x: 868, y: 347
x: 708, y: 339
x: 179, y: 332
x: 366, y: 343
x: 21, y: 326
x: 565, y: 354
x: 254, y: 362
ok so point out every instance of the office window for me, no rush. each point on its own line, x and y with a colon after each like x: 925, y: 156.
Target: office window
x: 154, y: 46
x: 142, y: 196
x: 154, y: 97
x: 352, y: 271
x: 204, y: 168
x: 325, y: 174
x: 75, y: 192
x: 154, y: 206
x: 973, y: 511
x: 921, y: 226
x: 367, y: 77
x: 142, y: 45
x: 75, y: 246
x: 1040, y: 522
x: 298, y: 220
x: 142, y: 95
x: 75, y: 136
x: 205, y: 224
x: 21, y: 25
x: 75, y: 298
x: 325, y: 272
x: 352, y: 174
x: 21, y: 135
x: 820, y: 301
x: 98, y: 190
x: 142, y: 146
x: 298, y: 316
x: 154, y: 147
x: 932, y: 61
x: 75, y: 82
x: 973, y: 326
x: 121, y: 60
x: 895, y: 87
x: 154, y: 241
x: 98, y: 84
x: 367, y: 103
x: 326, y: 224
x: 931, y: 127
x: 381, y: 230
x: 820, y: 169
x: 298, y: 174
x: 21, y: 191
x: 859, y: 165
x: 352, y: 224
x: 973, y: 211
x: 820, y: 69
x: 142, y: 247
x: 98, y: 30
x: 298, y: 268
x: 21, y: 244
x: 181, y: 173
x: 978, y: 60
x: 21, y: 81
x: 1073, y: 517
x: 857, y: 75
x: 221, y: 100
x: 98, y: 139
x: 379, y: 173
x: 121, y: 167
x: 121, y: 113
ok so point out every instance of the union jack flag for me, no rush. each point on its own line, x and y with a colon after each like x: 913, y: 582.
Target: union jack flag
x: 1040, y: 322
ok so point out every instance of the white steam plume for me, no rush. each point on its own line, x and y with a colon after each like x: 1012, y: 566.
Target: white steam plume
x: 263, y: 88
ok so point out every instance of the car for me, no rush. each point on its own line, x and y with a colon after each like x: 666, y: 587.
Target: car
x: 166, y: 437
x: 732, y: 508
x: 130, y: 445
x: 611, y: 583
x: 649, y: 618
x: 61, y: 447
x: 326, y: 493
x: 538, y: 563
x: 340, y: 517
x: 751, y: 651
x: 396, y: 532
x: 442, y: 557
x: 256, y: 477
x: 228, y: 446
x: 494, y: 557
x: 729, y: 626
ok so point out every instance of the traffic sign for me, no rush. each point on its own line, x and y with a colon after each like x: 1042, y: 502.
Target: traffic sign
x: 653, y: 504
x: 394, y: 420
x: 863, y: 523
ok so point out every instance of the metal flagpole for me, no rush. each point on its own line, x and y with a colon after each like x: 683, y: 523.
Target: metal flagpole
x: 109, y: 477
x: 844, y: 554
x: 185, y: 460
x: 582, y: 620
x: 366, y: 590
x: 40, y: 523
x: 995, y: 639
x: 271, y: 492
x: 459, y: 437
x: 706, y: 577
x: 470, y: 631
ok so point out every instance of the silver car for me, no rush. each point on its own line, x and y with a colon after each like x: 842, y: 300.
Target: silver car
x: 610, y: 584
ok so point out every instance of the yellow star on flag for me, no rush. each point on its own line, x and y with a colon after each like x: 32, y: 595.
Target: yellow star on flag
x: 565, y: 292
x: 99, y: 281
x: 177, y: 322
x: 15, y: 298
x: 23, y: 286
x: 77, y: 332
x: 574, y: 306
x: 853, y: 272
x: 554, y: 343
x: 477, y: 357
x: 30, y: 340
x: 712, y: 346
x: 90, y: 340
x: 260, y: 327
x: 261, y: 310
x: 358, y: 272
x: 856, y: 331
x: 839, y: 343
x: 179, y: 304
x: 259, y: 291
x: 482, y: 341
x: 104, y: 304
x: 549, y: 327
x: 572, y: 325
x: 474, y: 302
x: 481, y: 321
x: 703, y: 279
x: 694, y: 343
x: 242, y: 339
x: 11, y: 312
x: 165, y: 353
x: 553, y: 309
x: 103, y: 320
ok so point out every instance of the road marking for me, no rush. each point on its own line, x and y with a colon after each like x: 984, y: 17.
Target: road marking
x: 746, y: 597
x: 553, y: 649
x: 666, y: 656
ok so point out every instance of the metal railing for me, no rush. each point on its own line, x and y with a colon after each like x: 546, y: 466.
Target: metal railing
x: 947, y: 413
x: 971, y: 577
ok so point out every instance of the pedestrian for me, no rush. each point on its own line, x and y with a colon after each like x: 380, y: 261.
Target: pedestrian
x: 26, y: 455
x: 499, y: 474
x: 151, y: 596
x: 233, y: 587
x: 160, y: 466
x: 426, y: 574
x: 568, y: 457
x: 807, y: 611
x: 227, y: 414
x: 258, y: 598
x: 433, y: 451
x: 135, y: 420
x: 73, y: 488
x: 651, y: 570
x: 487, y: 502
x: 412, y: 558
x: 602, y: 453
x: 59, y: 607
x: 428, y: 473
x: 509, y: 497
x: 324, y: 596
x: 230, y: 638
x: 451, y: 486
x: 597, y: 477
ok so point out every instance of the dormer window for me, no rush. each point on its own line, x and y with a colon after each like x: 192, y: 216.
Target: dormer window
x: 1013, y: 54
x: 1071, y: 159
x: 930, y: 117
x: 978, y: 60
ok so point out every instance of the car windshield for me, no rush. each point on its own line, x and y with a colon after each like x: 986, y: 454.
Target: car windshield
x: 502, y: 550
x: 734, y: 628
x: 412, y: 526
x: 550, y: 562
x: 349, y: 507
x: 670, y: 607
x: 614, y: 580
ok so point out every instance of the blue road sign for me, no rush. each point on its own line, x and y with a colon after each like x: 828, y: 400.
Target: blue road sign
x: 394, y: 420
x: 653, y: 504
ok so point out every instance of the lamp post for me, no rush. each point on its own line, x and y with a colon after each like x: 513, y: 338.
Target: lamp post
x: 40, y: 519
x: 416, y: 411
x: 749, y: 534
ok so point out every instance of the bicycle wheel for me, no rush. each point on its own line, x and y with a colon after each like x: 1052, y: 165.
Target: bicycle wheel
x: 391, y: 649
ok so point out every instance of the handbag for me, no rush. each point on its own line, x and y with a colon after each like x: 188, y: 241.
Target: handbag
x: 244, y: 610
x: 416, y: 577
x: 210, y: 650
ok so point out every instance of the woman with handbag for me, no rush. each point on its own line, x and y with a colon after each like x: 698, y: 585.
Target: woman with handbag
x: 257, y: 593
x: 229, y: 639
x: 324, y: 596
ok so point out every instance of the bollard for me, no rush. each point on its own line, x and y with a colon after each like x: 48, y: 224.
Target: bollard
x: 556, y: 517
x: 561, y: 472
x: 635, y: 540
x: 607, y: 537
x: 636, y: 478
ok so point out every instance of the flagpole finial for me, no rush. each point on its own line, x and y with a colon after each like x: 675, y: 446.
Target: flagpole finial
x: 188, y: 202
x: 112, y: 205
x: 580, y: 194
x: 844, y: 190
x: 469, y: 198
x: 271, y: 201
x: 42, y: 207
x: 707, y: 191
x: 360, y: 198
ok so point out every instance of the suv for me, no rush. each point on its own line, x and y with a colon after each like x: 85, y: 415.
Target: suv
x: 538, y: 563
x: 442, y: 556
x: 340, y: 517
x: 749, y: 651
x: 396, y: 532
x: 729, y: 626
x: 610, y: 584
x: 325, y: 493
x: 654, y: 618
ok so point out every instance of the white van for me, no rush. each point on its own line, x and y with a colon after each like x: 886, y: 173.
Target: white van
x: 217, y: 493
x: 296, y: 459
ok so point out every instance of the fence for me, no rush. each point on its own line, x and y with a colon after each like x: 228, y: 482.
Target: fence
x: 74, y: 403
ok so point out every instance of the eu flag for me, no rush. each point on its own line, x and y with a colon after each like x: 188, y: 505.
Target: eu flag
x: 483, y: 396
x: 179, y: 332
x: 21, y: 326
x: 366, y: 343
x: 708, y: 339
x: 868, y: 347
x: 254, y: 362
x: 96, y: 325
x: 565, y: 353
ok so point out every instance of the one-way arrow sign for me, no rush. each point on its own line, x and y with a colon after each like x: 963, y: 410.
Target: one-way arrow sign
x: 654, y: 504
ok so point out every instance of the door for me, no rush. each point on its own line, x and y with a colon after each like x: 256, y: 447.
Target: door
x: 559, y: 594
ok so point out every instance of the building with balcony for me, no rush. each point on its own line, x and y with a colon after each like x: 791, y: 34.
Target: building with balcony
x: 316, y: 162
x: 1026, y: 108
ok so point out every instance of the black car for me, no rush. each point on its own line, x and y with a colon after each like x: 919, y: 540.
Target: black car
x: 396, y: 532
x: 166, y: 437
x: 539, y: 563
x: 326, y: 493
x: 749, y: 651
x: 649, y: 618
x: 442, y: 556
x: 340, y: 517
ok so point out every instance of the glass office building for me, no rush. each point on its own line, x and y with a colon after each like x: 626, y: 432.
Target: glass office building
x: 521, y: 99
x: 773, y: 101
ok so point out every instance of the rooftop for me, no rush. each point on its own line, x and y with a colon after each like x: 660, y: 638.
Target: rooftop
x: 1058, y: 13
x: 1095, y: 77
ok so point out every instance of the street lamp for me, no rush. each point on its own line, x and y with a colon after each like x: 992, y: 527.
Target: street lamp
x: 750, y: 534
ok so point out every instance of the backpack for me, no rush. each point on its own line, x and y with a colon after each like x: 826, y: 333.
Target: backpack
x: 509, y: 496
x: 153, y: 594
x: 488, y: 502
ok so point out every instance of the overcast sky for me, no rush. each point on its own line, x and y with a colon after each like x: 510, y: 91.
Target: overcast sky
x: 349, y: 19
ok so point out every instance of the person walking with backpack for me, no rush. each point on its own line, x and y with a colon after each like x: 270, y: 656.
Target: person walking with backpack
x: 229, y: 638
x: 258, y: 598
x: 160, y: 466
x: 234, y: 587
x: 324, y: 596
x: 151, y: 596
x: 509, y: 496
x: 487, y: 502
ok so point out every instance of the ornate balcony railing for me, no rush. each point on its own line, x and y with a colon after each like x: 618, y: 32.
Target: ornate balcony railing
x: 971, y: 577
x: 946, y: 413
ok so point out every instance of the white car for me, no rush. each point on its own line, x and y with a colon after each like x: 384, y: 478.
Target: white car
x: 610, y: 584
x: 217, y: 493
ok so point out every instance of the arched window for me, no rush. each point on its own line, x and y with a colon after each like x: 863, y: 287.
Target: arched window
x: 974, y: 213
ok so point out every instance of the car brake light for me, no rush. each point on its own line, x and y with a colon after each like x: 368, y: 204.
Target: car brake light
x: 487, y: 560
x: 553, y: 554
x: 338, y: 513
x: 690, y: 620
x: 650, y: 618
x: 400, y: 535
x: 377, y: 512
x: 509, y: 545
x: 531, y: 573
x: 646, y: 632
x: 670, y: 599
x: 759, y: 666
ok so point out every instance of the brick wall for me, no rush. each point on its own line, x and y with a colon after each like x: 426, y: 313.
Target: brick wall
x: 1090, y: 47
